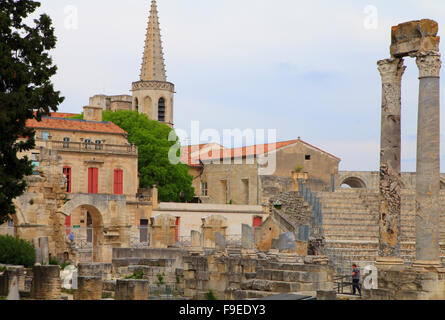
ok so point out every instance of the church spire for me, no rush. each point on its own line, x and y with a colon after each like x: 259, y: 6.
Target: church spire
x: 153, y: 66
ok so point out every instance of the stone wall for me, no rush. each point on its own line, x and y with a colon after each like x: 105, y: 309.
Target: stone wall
x: 408, y: 283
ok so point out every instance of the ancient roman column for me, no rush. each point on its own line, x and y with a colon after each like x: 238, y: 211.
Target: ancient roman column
x: 428, y: 160
x: 391, y: 71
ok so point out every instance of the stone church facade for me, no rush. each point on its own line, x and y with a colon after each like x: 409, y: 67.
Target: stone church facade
x: 152, y: 94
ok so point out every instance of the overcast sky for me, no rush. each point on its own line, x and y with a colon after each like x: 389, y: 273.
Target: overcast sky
x: 305, y: 68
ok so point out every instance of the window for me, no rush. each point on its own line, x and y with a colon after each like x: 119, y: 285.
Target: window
x: 118, y: 181
x: 93, y: 180
x: 87, y: 143
x: 98, y: 145
x: 67, y: 173
x: 143, y: 231
x: 45, y: 135
x: 161, y: 110
x: 204, y: 189
x: 66, y: 145
x: 307, y: 157
x: 35, y: 163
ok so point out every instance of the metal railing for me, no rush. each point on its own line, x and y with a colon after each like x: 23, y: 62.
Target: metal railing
x: 80, y: 238
x: 88, y: 147
x: 316, y: 226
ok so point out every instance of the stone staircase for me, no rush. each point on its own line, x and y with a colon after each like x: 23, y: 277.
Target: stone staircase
x: 277, y: 277
x: 350, y: 225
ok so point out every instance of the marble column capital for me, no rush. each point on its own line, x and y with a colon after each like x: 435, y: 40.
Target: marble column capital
x: 429, y: 64
x: 391, y: 70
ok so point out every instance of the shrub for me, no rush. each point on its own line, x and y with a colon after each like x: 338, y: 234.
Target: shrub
x: 161, y: 279
x: 64, y: 265
x: 53, y: 261
x: 138, y: 275
x: 16, y: 251
x: 210, y: 295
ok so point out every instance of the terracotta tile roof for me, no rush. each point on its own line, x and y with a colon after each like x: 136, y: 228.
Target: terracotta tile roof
x: 189, y: 152
x: 63, y: 115
x: 242, y: 152
x: 60, y: 123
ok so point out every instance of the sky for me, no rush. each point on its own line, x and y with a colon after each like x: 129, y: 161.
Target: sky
x: 305, y: 68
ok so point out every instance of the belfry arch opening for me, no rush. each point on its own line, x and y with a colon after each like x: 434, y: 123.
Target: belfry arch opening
x: 353, y: 183
x: 161, y: 110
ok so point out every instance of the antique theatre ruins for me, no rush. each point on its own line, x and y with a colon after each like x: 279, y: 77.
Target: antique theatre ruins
x: 246, y: 235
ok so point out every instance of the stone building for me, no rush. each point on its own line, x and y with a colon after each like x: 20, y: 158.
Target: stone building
x: 234, y: 176
x: 152, y: 94
x: 85, y: 183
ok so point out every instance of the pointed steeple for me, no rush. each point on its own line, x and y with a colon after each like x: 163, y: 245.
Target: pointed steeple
x: 153, y: 66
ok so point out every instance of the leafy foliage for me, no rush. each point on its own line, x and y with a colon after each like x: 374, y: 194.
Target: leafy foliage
x: 210, y: 295
x: 53, y: 261
x: 16, y: 251
x: 26, y: 91
x: 173, y: 180
x: 138, y: 275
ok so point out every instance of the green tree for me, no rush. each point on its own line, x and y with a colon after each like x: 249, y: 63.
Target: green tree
x: 173, y: 180
x: 26, y: 91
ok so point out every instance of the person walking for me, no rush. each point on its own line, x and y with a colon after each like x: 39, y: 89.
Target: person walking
x: 356, y: 280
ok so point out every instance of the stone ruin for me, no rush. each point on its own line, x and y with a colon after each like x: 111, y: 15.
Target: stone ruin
x: 424, y: 278
x: 209, y: 264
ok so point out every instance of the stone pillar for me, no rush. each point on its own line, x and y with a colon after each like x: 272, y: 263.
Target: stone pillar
x: 210, y: 226
x: 89, y: 288
x: 46, y: 283
x: 247, y: 240
x: 428, y: 161
x: 391, y: 71
x: 163, y: 231
x: 132, y: 289
x: 196, y: 241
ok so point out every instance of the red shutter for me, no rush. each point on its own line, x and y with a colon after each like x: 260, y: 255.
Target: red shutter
x: 178, y: 220
x: 93, y: 180
x: 118, y: 181
x: 68, y: 224
x: 257, y: 221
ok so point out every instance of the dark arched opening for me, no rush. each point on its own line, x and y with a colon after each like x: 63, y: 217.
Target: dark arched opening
x: 161, y: 110
x: 353, y: 183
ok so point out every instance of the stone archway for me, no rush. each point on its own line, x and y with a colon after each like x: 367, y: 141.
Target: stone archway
x: 89, y: 234
x: 108, y: 220
x: 354, y: 183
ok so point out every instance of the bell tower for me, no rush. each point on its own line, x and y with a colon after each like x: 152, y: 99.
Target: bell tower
x: 152, y: 94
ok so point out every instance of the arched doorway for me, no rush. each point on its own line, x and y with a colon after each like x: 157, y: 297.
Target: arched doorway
x: 353, y: 183
x: 86, y: 227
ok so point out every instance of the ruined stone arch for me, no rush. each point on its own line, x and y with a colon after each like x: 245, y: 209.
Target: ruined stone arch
x: 354, y: 183
x: 442, y: 185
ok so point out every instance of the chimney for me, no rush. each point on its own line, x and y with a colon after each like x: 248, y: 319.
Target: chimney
x: 91, y: 113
